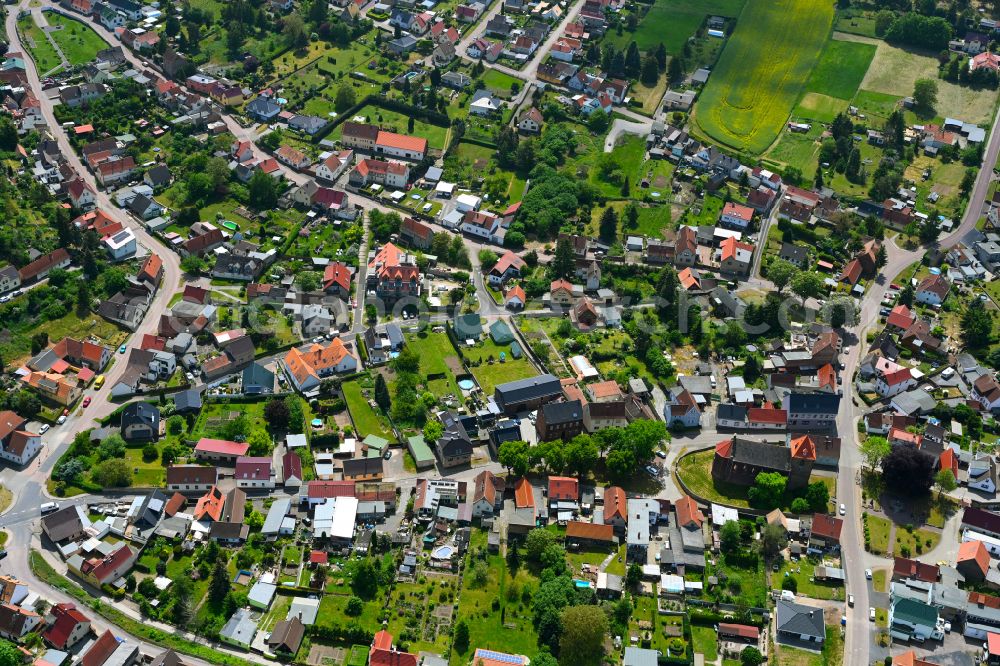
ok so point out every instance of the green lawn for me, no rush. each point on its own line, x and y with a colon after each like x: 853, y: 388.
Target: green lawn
x: 696, y: 472
x: 741, y: 579
x: 878, y: 528
x: 878, y: 580
x: 500, y: 82
x: 819, y: 107
x: 41, y: 50
x: 413, y: 611
x: 366, y: 420
x: 673, y: 22
x: 507, y: 626
x: 145, y: 474
x: 798, y: 150
x: 879, y: 105
x: 916, y: 542
x: 762, y: 71
x: 802, y: 573
x: 841, y: 68
x: 79, y: 43
x: 706, y: 642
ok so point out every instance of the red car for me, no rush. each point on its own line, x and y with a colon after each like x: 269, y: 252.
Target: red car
x: 86, y: 401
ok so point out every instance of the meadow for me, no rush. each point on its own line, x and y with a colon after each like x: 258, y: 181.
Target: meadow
x: 79, y: 43
x: 841, y: 68
x: 762, y: 71
x: 893, y: 71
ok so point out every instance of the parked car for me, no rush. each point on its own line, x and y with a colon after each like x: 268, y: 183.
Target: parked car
x: 850, y: 599
x: 652, y: 471
x: 45, y: 427
x: 61, y: 419
x: 871, y: 614
x: 121, y: 350
x: 843, y: 509
x: 49, y: 507
x: 86, y: 401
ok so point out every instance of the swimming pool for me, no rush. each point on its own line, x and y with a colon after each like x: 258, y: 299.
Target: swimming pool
x: 232, y: 226
x: 466, y: 384
x: 581, y: 583
x: 443, y: 552
x: 317, y: 423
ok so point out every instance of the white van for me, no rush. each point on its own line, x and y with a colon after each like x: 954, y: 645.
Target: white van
x: 49, y: 507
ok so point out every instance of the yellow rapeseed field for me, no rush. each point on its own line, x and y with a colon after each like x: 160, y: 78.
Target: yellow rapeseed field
x: 762, y: 71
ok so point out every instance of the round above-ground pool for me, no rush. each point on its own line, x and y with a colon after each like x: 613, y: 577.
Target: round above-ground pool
x: 466, y: 384
x: 443, y: 552
x: 317, y: 423
x: 232, y: 226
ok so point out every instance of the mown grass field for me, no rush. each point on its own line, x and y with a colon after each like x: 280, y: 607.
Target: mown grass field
x: 673, y: 21
x: 893, y: 71
x: 762, y: 71
x: 39, y: 48
x: 79, y: 43
x: 841, y: 68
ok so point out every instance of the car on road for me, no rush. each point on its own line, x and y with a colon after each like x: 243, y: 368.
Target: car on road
x: 884, y: 312
x: 850, y: 600
x: 843, y: 509
x: 61, y: 419
x: 99, y: 382
x: 45, y: 427
x: 868, y: 574
x: 49, y: 507
x: 121, y: 350
x: 86, y: 401
x: 388, y: 454
x: 871, y: 614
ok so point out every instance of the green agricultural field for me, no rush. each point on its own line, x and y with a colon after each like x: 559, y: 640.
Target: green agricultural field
x: 79, y: 43
x: 818, y: 107
x: 893, y: 71
x: 674, y: 21
x: 798, y: 150
x: 762, y: 71
x: 841, y: 68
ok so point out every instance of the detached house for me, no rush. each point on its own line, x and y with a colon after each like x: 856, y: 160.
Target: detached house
x: 932, y: 290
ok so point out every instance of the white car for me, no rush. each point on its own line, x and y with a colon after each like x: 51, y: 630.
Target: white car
x: 61, y: 419
x: 843, y: 509
x: 871, y: 614
x: 850, y: 600
x: 43, y: 429
x: 868, y: 574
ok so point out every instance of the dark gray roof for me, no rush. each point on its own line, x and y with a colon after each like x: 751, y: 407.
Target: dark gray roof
x: 455, y: 440
x: 562, y: 412
x: 159, y: 174
x: 187, y: 400
x: 362, y: 466
x: 257, y: 375
x: 731, y: 412
x: 795, y: 252
x: 801, y: 620
x: 761, y: 454
x: 528, y: 389
x: 140, y: 413
x: 813, y: 403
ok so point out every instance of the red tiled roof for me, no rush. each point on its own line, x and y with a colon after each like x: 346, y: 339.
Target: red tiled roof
x: 253, y: 469
x: 101, y: 650
x: 767, y: 415
x: 320, y: 557
x: 688, y: 512
x: 976, y: 551
x: 905, y: 567
x: 615, y: 504
x: 524, y: 497
x: 741, y: 630
x: 827, y: 526
x: 221, y: 446
x: 803, y: 448
x: 67, y: 617
x: 210, y: 505
x: 589, y: 531
x: 724, y: 449
x: 563, y: 488
x: 900, y: 317
x: 337, y: 273
x: 326, y: 489
x: 401, y: 141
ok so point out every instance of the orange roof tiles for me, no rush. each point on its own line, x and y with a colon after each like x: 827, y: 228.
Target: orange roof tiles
x: 688, y: 512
